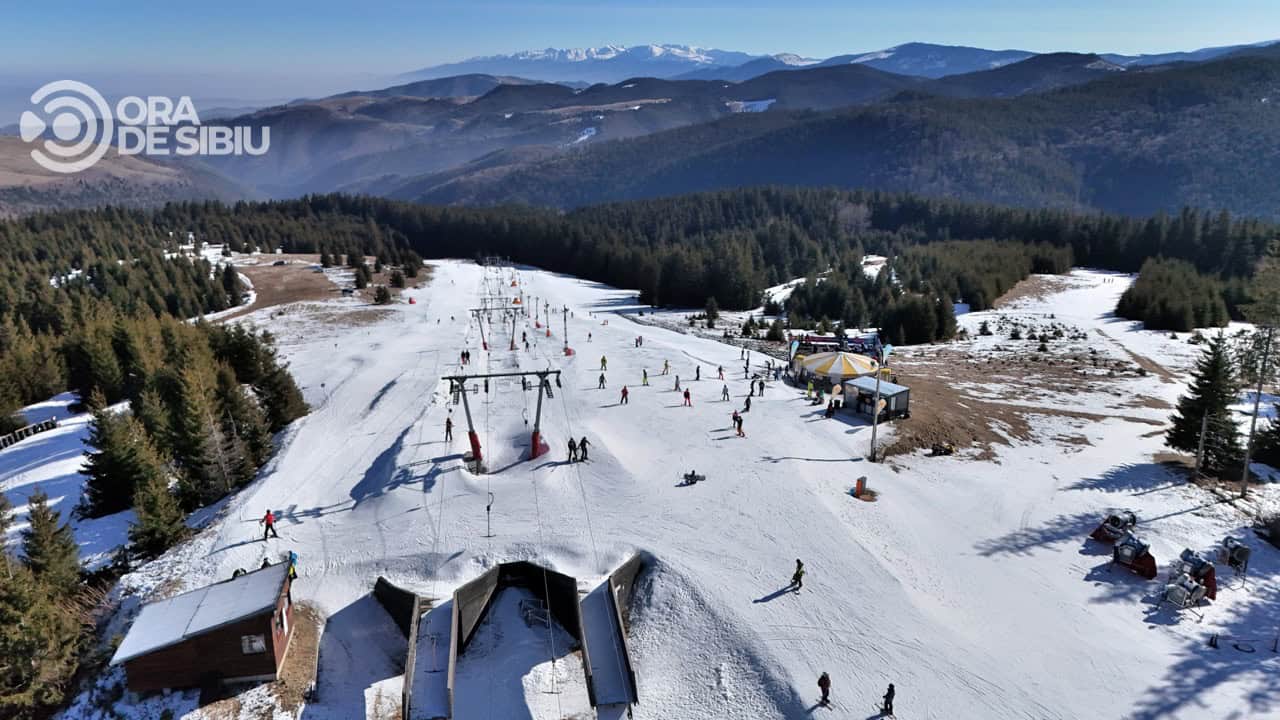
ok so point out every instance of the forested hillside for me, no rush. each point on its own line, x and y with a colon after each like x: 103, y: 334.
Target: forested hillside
x: 1135, y: 142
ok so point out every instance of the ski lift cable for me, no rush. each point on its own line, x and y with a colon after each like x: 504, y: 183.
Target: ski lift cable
x: 551, y: 640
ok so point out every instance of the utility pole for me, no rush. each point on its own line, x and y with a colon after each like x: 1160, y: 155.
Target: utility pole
x: 1253, y: 421
x: 566, y: 329
x: 875, y: 404
x: 488, y: 528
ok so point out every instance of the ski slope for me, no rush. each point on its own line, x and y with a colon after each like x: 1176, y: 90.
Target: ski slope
x: 967, y: 584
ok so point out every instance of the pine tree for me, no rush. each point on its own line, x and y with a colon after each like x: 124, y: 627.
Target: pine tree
x: 39, y: 645
x: 154, y: 414
x: 111, y: 464
x: 158, y: 519
x: 6, y: 520
x: 1211, y: 393
x: 280, y: 396
x: 212, y: 463
x: 129, y: 358
x: 50, y: 549
x: 242, y: 418
x: 231, y: 284
x: 397, y: 279
x: 381, y: 295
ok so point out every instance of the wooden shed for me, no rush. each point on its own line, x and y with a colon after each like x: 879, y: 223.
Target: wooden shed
x: 237, y: 630
x: 895, y: 399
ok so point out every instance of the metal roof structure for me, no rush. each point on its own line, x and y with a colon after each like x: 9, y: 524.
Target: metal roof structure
x: 868, y: 384
x: 168, y: 622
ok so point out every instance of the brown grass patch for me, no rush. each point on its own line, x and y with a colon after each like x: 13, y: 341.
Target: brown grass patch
x: 1034, y: 287
x: 299, y: 672
x: 284, y: 284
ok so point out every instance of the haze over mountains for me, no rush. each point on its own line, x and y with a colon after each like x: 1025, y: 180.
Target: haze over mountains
x: 1125, y: 133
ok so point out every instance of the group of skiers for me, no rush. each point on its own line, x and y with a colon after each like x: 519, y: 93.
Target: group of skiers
x: 465, y: 357
x: 578, y: 449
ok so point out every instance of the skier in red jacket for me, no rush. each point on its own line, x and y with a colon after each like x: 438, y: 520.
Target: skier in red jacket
x: 269, y: 523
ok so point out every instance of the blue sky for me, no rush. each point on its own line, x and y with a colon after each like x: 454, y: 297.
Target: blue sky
x: 238, y: 49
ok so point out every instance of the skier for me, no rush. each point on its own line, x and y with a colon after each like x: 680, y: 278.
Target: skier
x: 448, y: 429
x: 666, y: 367
x: 601, y: 385
x: 268, y: 522
x: 888, y: 701
x: 762, y: 388
x: 582, y: 447
x: 677, y: 388
x: 697, y: 373
x: 724, y: 393
x: 746, y: 405
x: 588, y: 337
x: 644, y: 377
x: 573, y: 450
x: 623, y: 401
x: 604, y: 363
x: 797, y: 578
x: 720, y: 371
x: 740, y: 432
x: 688, y: 401
x: 737, y: 423
x: 824, y: 684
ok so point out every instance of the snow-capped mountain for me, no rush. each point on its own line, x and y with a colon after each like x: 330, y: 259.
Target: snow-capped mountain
x: 608, y: 63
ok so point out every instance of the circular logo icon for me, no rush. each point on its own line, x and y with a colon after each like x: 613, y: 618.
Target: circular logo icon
x: 79, y: 120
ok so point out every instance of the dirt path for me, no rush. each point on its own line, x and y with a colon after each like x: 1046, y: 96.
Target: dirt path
x: 1144, y: 362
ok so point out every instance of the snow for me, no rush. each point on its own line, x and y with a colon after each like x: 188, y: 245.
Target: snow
x: 585, y: 135
x: 604, y: 646
x: 740, y: 106
x: 969, y: 583
x: 51, y: 461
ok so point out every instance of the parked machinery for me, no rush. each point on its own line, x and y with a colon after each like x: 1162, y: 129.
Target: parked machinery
x: 1184, y: 591
x: 1134, y: 554
x: 1199, y: 569
x: 1235, y: 554
x: 1115, y: 526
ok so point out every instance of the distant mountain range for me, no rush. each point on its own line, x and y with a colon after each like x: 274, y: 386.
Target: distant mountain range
x: 613, y: 63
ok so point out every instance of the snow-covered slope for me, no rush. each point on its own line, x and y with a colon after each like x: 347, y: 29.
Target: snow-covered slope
x: 609, y: 63
x: 969, y: 584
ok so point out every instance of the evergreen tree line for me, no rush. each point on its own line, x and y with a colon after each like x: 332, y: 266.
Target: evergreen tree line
x: 1172, y: 295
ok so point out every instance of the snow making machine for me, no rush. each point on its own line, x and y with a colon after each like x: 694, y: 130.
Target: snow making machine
x: 1134, y: 554
x: 1115, y: 526
x: 1184, y: 592
x: 1235, y: 554
x: 1199, y: 569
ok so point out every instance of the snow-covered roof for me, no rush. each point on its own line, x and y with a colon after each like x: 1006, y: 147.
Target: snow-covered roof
x: 169, y: 622
x: 869, y: 384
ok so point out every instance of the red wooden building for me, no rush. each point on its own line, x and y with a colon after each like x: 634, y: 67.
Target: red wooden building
x: 233, y: 631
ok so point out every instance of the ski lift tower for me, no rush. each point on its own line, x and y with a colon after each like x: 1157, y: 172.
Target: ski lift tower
x: 458, y: 386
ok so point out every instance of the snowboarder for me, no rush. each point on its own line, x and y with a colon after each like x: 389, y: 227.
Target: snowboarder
x: 604, y: 363
x: 601, y: 385
x: 688, y: 401
x: 582, y: 447
x: 697, y: 373
x: 268, y: 522
x: 824, y: 684
x: 448, y: 429
x: 797, y: 578
x: 724, y: 393
x: 623, y: 401
x: 888, y: 701
x: 720, y: 371
x: 644, y: 377
x: 573, y: 450
x: 737, y: 423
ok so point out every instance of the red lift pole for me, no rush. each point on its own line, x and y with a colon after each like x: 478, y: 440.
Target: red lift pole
x: 459, y: 383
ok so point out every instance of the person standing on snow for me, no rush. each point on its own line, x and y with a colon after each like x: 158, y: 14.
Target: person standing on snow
x: 644, y: 378
x: 666, y: 367
x: 797, y: 578
x: 601, y: 385
x: 746, y: 405
x: 808, y: 391
x: 582, y: 447
x: 688, y: 401
x: 888, y: 701
x: 724, y: 393
x: 268, y: 522
x: 697, y: 373
x: 677, y: 388
x: 448, y: 429
x: 740, y: 432
x: 762, y: 388
x: 720, y: 370
x: 623, y: 401
x: 604, y: 363
x: 573, y: 450
x: 824, y: 684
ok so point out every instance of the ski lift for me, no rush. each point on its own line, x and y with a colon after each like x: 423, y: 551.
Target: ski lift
x: 557, y: 380
x: 546, y: 384
x: 486, y: 386
x: 1115, y: 526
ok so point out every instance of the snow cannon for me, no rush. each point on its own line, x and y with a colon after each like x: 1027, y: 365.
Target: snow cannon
x: 1115, y: 526
x: 1184, y: 591
x: 1236, y: 554
x: 1198, y: 568
x: 1135, y: 555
